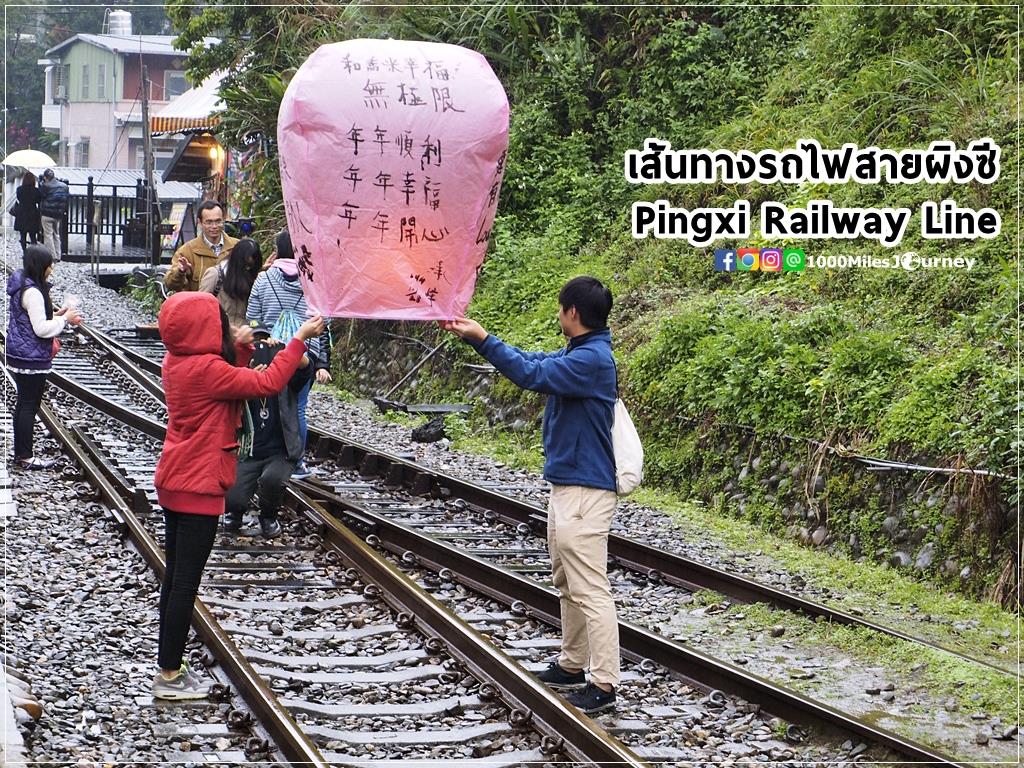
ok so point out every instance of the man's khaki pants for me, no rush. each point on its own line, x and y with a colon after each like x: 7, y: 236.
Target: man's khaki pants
x: 51, y: 235
x: 578, y: 523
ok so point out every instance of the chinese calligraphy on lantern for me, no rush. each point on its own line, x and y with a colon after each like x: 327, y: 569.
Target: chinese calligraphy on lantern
x: 395, y: 153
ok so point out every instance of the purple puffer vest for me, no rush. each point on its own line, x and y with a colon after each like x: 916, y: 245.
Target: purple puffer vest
x: 24, y: 348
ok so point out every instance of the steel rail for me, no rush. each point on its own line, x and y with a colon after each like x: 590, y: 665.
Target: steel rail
x: 144, y: 424
x: 129, y: 365
x: 657, y: 563
x: 147, y: 364
x: 285, y: 732
x: 637, y: 643
x: 565, y: 728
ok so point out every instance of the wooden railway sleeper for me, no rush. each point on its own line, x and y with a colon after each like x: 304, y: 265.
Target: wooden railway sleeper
x: 421, y: 484
x: 395, y: 476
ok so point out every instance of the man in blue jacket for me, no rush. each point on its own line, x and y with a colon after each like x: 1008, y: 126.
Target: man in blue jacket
x: 53, y: 206
x: 581, y: 387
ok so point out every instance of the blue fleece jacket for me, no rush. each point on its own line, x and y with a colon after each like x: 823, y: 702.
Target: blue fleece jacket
x: 580, y: 383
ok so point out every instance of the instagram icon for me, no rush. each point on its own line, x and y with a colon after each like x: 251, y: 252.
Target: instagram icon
x: 771, y: 259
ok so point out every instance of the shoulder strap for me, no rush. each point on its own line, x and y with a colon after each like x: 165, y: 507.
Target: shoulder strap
x: 221, y: 270
x: 277, y: 296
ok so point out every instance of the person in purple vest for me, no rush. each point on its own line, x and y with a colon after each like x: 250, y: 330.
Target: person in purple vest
x: 32, y: 327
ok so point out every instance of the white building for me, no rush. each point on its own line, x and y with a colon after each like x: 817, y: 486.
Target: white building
x: 93, y: 95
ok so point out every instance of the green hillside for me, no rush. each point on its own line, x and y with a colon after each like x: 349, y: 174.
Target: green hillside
x: 911, y: 366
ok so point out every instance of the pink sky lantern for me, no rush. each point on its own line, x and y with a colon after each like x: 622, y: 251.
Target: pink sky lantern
x: 392, y: 154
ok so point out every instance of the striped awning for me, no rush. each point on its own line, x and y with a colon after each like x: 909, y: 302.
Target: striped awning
x: 160, y: 124
x: 194, y: 110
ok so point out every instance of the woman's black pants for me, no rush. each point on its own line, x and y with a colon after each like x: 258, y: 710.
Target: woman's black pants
x: 188, y: 543
x: 36, y: 237
x: 26, y: 406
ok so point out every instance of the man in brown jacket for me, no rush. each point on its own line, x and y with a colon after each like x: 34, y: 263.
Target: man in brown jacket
x: 202, y: 252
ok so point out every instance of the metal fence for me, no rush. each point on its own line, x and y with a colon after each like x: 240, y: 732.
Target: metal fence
x: 99, y: 211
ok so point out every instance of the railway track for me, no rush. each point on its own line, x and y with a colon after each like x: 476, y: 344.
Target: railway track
x: 506, y: 512
x: 355, y: 624
x: 499, y: 546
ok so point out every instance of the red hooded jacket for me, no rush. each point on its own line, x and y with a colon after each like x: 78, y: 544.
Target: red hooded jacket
x: 204, y: 398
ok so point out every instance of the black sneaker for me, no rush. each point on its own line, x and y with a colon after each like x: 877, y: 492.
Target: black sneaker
x: 270, y: 527
x: 592, y: 700
x: 232, y: 521
x: 556, y: 677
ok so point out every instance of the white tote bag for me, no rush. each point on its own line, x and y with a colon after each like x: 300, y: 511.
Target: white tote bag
x: 629, y: 452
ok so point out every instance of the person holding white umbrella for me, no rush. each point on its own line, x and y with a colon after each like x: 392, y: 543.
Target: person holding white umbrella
x: 32, y: 160
x: 27, y: 222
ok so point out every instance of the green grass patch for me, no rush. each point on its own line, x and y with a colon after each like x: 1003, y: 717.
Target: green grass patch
x: 520, y: 450
x: 972, y: 686
x: 879, y: 592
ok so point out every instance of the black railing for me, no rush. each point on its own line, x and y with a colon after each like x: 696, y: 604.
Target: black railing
x: 103, y: 210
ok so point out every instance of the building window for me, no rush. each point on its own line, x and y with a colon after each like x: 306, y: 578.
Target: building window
x: 60, y: 83
x: 82, y: 152
x: 85, y: 82
x: 161, y: 159
x: 101, y: 81
x: 175, y: 84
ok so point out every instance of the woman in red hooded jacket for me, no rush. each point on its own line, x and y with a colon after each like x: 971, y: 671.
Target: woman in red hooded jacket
x: 206, y: 384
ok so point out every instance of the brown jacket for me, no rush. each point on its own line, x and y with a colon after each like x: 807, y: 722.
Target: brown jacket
x: 201, y: 257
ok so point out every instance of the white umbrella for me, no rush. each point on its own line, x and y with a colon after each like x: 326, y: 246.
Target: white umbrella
x: 29, y: 158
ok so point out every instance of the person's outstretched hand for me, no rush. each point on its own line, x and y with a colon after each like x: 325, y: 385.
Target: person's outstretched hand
x: 311, y: 328
x: 243, y: 334
x: 464, y: 328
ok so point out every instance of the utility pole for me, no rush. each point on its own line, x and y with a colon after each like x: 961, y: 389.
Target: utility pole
x: 152, y: 244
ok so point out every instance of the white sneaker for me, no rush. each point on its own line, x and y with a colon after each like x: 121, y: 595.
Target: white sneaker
x: 180, y: 687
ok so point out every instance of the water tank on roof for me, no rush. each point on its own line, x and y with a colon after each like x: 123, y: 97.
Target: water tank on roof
x: 120, y: 23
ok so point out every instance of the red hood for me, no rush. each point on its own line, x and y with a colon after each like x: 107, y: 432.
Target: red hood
x: 190, y: 324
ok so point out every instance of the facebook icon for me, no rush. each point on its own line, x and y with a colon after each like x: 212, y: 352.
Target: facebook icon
x: 725, y: 260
